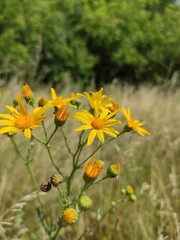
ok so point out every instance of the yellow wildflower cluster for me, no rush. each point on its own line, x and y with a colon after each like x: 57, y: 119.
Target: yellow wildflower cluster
x: 98, y: 119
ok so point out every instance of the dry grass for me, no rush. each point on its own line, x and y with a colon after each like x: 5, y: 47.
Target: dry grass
x: 150, y: 164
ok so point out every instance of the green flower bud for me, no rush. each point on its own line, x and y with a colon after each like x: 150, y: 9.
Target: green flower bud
x: 123, y: 190
x: 84, y: 203
x: 129, y: 189
x: 133, y: 197
x: 113, y: 204
x: 42, y: 102
x: 15, y: 102
x: 113, y: 170
x: 76, y: 102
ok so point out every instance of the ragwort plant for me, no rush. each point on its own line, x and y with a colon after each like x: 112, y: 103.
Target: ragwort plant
x: 97, y: 121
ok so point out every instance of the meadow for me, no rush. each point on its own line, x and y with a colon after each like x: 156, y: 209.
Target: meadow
x: 150, y: 164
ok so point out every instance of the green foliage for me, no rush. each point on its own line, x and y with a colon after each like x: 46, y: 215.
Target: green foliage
x: 100, y: 39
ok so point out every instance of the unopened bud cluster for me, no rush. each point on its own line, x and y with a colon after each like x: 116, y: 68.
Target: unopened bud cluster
x: 55, y: 181
x: 129, y: 193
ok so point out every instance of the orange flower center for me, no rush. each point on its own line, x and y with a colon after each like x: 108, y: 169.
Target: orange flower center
x: 97, y: 124
x: 23, y: 122
x: 132, y: 124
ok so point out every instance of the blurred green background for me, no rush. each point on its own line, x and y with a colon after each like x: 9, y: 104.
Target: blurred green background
x: 90, y: 41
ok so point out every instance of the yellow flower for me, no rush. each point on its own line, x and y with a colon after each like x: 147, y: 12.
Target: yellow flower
x: 70, y: 215
x: 93, y: 169
x: 22, y: 121
x: 59, y: 101
x: 98, y: 124
x: 97, y: 100
x: 136, y: 125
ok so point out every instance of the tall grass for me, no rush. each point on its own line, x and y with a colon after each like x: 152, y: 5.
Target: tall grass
x: 150, y: 164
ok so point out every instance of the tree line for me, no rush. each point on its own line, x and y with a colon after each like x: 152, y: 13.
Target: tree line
x: 131, y: 40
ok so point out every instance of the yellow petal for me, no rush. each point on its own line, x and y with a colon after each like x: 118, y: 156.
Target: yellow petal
x: 83, y: 127
x: 111, y: 132
x: 21, y: 106
x: 111, y: 122
x: 91, y: 137
x: 6, y: 123
x: 100, y: 135
x: 13, y: 110
x: 53, y: 94
x: 27, y: 133
x: 8, y: 130
x: 7, y: 116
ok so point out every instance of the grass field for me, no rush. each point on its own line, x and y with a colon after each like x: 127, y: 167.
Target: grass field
x: 150, y: 164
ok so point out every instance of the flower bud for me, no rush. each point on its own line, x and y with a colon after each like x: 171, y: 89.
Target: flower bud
x: 15, y: 102
x: 61, y: 116
x: 70, y: 215
x: 113, y: 204
x: 129, y: 189
x: 76, y: 102
x: 28, y: 94
x: 127, y: 128
x: 42, y: 102
x: 113, y: 170
x: 56, y: 180
x: 45, y: 187
x: 84, y: 203
x: 114, y: 107
x: 123, y: 190
x: 75, y: 99
x: 113, y: 207
x: 133, y: 197
x: 93, y: 169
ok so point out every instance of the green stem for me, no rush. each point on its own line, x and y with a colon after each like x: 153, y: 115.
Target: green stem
x: 94, y: 225
x: 65, y: 139
x: 48, y: 149
x: 35, y: 185
x: 29, y: 169
x: 91, y: 154
x: 86, y: 186
x: 78, y: 147
x: 45, y: 133
x: 70, y: 180
x: 101, y: 179
x: 60, y: 192
x: 98, y: 147
x: 57, y: 232
x: 52, y: 161
x: 51, y: 135
x: 75, y: 157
